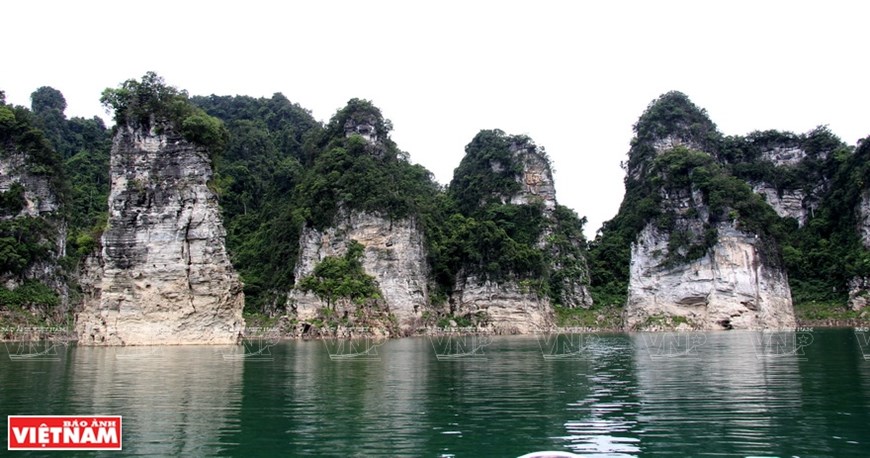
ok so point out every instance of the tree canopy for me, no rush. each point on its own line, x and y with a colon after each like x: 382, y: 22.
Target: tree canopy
x: 151, y: 103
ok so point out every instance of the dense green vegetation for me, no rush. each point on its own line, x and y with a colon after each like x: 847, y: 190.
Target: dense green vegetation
x: 20, y: 133
x: 339, y: 279
x: 27, y: 241
x: 282, y: 170
x: 150, y: 103
x: 255, y: 178
x: 485, y: 236
x: 278, y: 171
x: 83, y: 145
x: 824, y: 255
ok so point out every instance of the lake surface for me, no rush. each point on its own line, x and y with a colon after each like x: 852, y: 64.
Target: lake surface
x: 695, y: 394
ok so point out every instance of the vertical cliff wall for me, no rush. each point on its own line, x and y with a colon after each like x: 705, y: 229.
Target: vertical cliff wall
x: 730, y: 287
x: 38, y: 197
x: 704, y: 257
x: 859, y: 286
x: 394, y: 254
x: 32, y: 226
x: 164, y: 275
x: 502, y: 170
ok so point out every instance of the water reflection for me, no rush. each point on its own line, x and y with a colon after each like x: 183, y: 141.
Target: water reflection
x: 603, y: 422
x: 725, y: 397
x: 610, y: 395
x: 175, y: 401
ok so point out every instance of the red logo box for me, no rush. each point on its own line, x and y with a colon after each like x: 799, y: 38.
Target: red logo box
x: 56, y: 432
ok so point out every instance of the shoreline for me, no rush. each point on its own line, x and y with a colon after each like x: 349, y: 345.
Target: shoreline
x: 56, y: 334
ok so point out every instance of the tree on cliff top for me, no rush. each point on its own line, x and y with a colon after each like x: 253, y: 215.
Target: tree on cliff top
x: 152, y: 104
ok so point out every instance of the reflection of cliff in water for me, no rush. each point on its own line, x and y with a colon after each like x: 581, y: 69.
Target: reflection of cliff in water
x: 603, y: 418
x: 724, y: 393
x: 176, y: 401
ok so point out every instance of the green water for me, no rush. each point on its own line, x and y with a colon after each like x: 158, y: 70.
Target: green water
x: 715, y: 394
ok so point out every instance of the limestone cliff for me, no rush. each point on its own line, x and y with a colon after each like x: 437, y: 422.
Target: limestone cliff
x: 31, y: 204
x: 702, y: 258
x: 730, y: 287
x: 536, y: 178
x: 39, y: 197
x: 504, y: 308
x: 788, y: 203
x: 394, y: 253
x: 788, y: 170
x: 523, y: 177
x: 859, y: 286
x: 164, y: 275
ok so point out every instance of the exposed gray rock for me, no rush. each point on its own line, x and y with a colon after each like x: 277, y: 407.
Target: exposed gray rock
x: 40, y: 199
x: 864, y: 218
x: 394, y: 254
x: 672, y: 141
x: 506, y: 308
x: 365, y: 129
x: 511, y: 306
x: 536, y: 179
x: 859, y: 293
x: 784, y: 155
x: 730, y: 287
x: 164, y: 277
x: 790, y: 204
x: 859, y: 287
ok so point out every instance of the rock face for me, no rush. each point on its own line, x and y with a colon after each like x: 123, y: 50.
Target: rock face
x: 789, y: 204
x: 508, y: 308
x: 394, y: 254
x: 859, y: 287
x: 512, y: 306
x: 786, y: 155
x: 536, y: 179
x: 798, y: 203
x: 39, y: 198
x: 730, y: 287
x: 864, y: 218
x: 164, y: 275
x: 39, y: 201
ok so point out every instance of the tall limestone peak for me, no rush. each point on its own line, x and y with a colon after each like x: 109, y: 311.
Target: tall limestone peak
x: 363, y: 119
x: 164, y: 274
x: 703, y: 252
x: 669, y: 121
x: 360, y: 189
x: 502, y: 168
x: 522, y: 253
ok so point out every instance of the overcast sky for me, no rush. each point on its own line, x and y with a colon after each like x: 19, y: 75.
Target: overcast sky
x: 572, y: 75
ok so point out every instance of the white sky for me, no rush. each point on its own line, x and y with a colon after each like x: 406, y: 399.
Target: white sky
x: 573, y: 75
